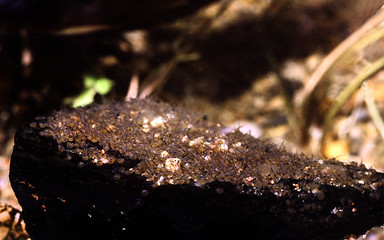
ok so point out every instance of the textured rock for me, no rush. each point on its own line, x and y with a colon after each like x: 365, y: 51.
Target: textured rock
x: 375, y: 233
x: 145, y: 169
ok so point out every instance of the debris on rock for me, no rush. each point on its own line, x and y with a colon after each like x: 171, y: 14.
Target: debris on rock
x: 143, y: 169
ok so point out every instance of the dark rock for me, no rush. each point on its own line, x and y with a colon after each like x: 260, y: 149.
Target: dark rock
x: 375, y: 233
x: 145, y: 169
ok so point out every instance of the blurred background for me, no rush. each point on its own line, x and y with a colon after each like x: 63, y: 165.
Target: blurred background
x: 245, y: 63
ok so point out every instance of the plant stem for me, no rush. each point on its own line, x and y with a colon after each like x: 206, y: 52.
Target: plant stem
x: 344, y: 95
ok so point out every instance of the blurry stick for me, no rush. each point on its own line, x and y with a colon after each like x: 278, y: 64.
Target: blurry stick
x: 288, y: 103
x: 331, y: 59
x: 372, y: 109
x: 133, y: 87
x: 26, y: 54
x: 344, y: 95
x: 370, y: 32
x: 84, y: 29
x: 162, y: 74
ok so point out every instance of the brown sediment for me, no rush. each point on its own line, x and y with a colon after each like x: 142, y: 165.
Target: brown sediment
x: 169, y: 145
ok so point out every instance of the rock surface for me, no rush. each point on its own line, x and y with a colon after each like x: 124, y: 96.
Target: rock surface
x: 144, y: 169
x: 375, y: 233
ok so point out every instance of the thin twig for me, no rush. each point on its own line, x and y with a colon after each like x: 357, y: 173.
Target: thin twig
x: 157, y: 82
x: 339, y: 51
x: 133, y: 89
x: 344, y: 95
x: 370, y: 32
x: 288, y: 103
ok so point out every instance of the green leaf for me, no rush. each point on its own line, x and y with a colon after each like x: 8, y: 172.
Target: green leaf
x: 103, y: 86
x: 92, y: 86
x: 84, y: 98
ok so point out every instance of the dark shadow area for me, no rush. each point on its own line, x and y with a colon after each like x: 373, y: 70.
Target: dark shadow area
x: 47, y: 15
x: 231, y: 56
x: 234, y: 56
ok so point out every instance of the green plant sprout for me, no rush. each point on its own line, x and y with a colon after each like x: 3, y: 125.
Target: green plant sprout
x: 92, y: 86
